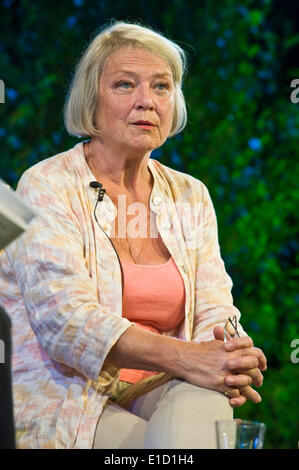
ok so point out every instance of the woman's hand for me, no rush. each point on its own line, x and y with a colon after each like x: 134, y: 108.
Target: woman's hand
x: 226, y: 367
x: 239, y: 396
x: 205, y: 364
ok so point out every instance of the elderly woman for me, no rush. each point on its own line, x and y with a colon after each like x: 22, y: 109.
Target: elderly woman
x: 118, y: 321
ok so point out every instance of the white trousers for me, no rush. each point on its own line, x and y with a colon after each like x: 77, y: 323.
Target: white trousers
x: 176, y: 415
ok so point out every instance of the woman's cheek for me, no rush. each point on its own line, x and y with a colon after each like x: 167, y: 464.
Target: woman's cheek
x: 168, y: 111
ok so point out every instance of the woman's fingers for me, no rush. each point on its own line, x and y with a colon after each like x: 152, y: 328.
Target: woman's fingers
x: 232, y: 392
x: 256, y: 376
x: 239, y: 343
x: 243, y: 363
x: 245, y: 393
x: 238, y: 381
x: 245, y: 347
x: 251, y: 394
x: 239, y: 401
x: 247, y: 365
x: 262, y: 359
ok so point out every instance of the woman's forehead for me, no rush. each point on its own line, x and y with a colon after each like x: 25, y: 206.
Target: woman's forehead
x: 133, y: 60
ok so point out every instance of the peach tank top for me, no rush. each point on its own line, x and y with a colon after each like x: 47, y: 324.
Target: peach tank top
x: 154, y: 299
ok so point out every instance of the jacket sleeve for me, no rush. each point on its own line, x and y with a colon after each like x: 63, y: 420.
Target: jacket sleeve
x: 213, y: 298
x: 60, y: 296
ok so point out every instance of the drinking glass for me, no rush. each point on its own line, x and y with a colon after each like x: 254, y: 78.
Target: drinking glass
x: 240, y: 434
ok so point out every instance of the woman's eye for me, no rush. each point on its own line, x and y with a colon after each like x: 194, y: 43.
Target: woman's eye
x: 162, y: 86
x: 125, y: 85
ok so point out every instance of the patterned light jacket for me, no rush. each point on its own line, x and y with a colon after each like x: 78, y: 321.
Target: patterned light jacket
x: 61, y: 284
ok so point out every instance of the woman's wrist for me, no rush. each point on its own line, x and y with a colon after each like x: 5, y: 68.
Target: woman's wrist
x: 173, y: 356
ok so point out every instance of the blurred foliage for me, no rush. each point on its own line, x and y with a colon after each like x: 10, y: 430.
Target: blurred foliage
x: 241, y: 141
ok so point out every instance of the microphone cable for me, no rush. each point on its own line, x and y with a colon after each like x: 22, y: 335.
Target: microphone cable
x: 97, y: 185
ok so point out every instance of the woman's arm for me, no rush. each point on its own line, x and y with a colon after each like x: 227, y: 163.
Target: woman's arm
x: 141, y: 349
x: 60, y: 296
x: 203, y: 364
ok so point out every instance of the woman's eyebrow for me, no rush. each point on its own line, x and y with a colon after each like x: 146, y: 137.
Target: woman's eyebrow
x: 155, y: 75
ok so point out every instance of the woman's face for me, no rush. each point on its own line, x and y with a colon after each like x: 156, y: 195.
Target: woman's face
x: 135, y: 85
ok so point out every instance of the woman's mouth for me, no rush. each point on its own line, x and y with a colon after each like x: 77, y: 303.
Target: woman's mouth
x: 144, y: 124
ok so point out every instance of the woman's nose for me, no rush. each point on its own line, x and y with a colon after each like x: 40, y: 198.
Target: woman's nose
x: 144, y: 98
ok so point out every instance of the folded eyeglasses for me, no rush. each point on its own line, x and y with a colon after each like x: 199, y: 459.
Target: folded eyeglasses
x: 231, y: 328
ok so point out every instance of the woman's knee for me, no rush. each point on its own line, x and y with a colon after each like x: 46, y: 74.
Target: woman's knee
x: 185, y: 417
x: 182, y: 395
x: 119, y: 429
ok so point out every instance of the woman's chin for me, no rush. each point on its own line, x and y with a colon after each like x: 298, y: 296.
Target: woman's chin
x: 144, y: 145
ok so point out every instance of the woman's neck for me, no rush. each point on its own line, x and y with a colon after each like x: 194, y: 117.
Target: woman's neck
x: 125, y: 172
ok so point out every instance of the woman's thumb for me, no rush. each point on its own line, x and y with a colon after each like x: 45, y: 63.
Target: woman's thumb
x: 219, y: 332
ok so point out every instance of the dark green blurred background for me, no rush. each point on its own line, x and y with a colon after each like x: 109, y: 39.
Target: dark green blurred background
x: 241, y: 141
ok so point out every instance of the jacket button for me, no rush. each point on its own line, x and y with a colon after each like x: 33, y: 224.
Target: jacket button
x: 166, y: 225
x: 156, y: 201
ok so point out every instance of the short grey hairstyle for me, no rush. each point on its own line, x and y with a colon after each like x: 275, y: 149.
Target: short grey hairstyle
x: 82, y: 98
